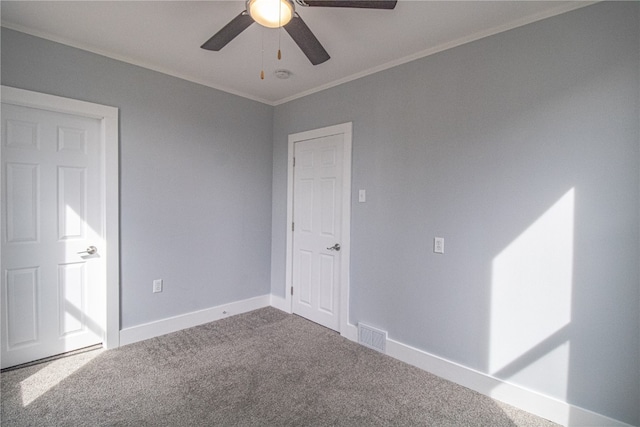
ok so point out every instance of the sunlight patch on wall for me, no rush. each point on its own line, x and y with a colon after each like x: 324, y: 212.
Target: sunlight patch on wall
x: 531, y: 302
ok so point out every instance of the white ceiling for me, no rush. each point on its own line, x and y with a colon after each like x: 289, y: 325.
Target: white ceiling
x: 166, y: 36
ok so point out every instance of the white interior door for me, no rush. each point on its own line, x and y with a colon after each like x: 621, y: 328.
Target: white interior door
x: 52, y: 280
x: 317, y: 231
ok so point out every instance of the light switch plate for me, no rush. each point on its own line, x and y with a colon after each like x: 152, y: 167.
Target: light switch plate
x: 438, y: 245
x: 362, y: 196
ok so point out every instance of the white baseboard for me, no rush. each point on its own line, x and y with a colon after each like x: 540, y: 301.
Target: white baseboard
x: 536, y: 403
x: 533, y: 402
x: 189, y: 320
x: 279, y: 303
x: 350, y: 332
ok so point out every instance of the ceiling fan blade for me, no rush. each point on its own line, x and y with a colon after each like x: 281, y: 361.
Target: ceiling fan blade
x: 228, y: 32
x: 304, y: 38
x: 363, y: 4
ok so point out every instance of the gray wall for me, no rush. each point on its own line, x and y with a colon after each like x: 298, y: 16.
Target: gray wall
x: 479, y: 144
x: 195, y: 177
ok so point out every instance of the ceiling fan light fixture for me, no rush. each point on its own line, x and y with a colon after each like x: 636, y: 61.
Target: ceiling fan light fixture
x: 271, y: 13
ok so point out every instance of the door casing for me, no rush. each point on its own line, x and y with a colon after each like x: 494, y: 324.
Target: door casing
x: 346, y: 329
x: 108, y: 117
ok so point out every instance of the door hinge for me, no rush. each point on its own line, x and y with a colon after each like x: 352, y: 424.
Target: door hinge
x: 293, y: 226
x: 294, y: 162
x: 292, y: 290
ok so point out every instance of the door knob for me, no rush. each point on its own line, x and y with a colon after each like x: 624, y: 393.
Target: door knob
x: 90, y: 250
x: 335, y: 247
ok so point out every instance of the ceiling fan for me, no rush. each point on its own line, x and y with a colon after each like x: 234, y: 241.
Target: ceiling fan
x: 282, y: 13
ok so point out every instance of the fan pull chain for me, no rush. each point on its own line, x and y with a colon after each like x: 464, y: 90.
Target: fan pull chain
x: 279, y: 28
x: 262, y: 57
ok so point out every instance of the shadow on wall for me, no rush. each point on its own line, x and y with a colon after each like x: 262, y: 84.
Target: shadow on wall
x: 531, y: 291
x: 525, y: 158
x: 563, y: 292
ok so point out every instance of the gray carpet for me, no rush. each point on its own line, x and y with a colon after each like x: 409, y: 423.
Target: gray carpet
x: 264, y: 368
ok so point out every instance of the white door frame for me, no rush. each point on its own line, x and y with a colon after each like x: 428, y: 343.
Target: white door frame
x: 108, y: 117
x: 346, y: 329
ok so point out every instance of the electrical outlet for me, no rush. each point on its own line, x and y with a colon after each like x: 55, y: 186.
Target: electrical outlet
x: 157, y: 285
x: 438, y: 245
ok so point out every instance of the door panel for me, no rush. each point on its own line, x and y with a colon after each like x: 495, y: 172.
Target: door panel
x: 22, y: 314
x: 305, y: 280
x: 328, y: 207
x: 71, y: 203
x: 317, y: 210
x: 21, y: 134
x: 22, y: 181
x: 327, y: 284
x: 51, y: 293
x: 71, y: 298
